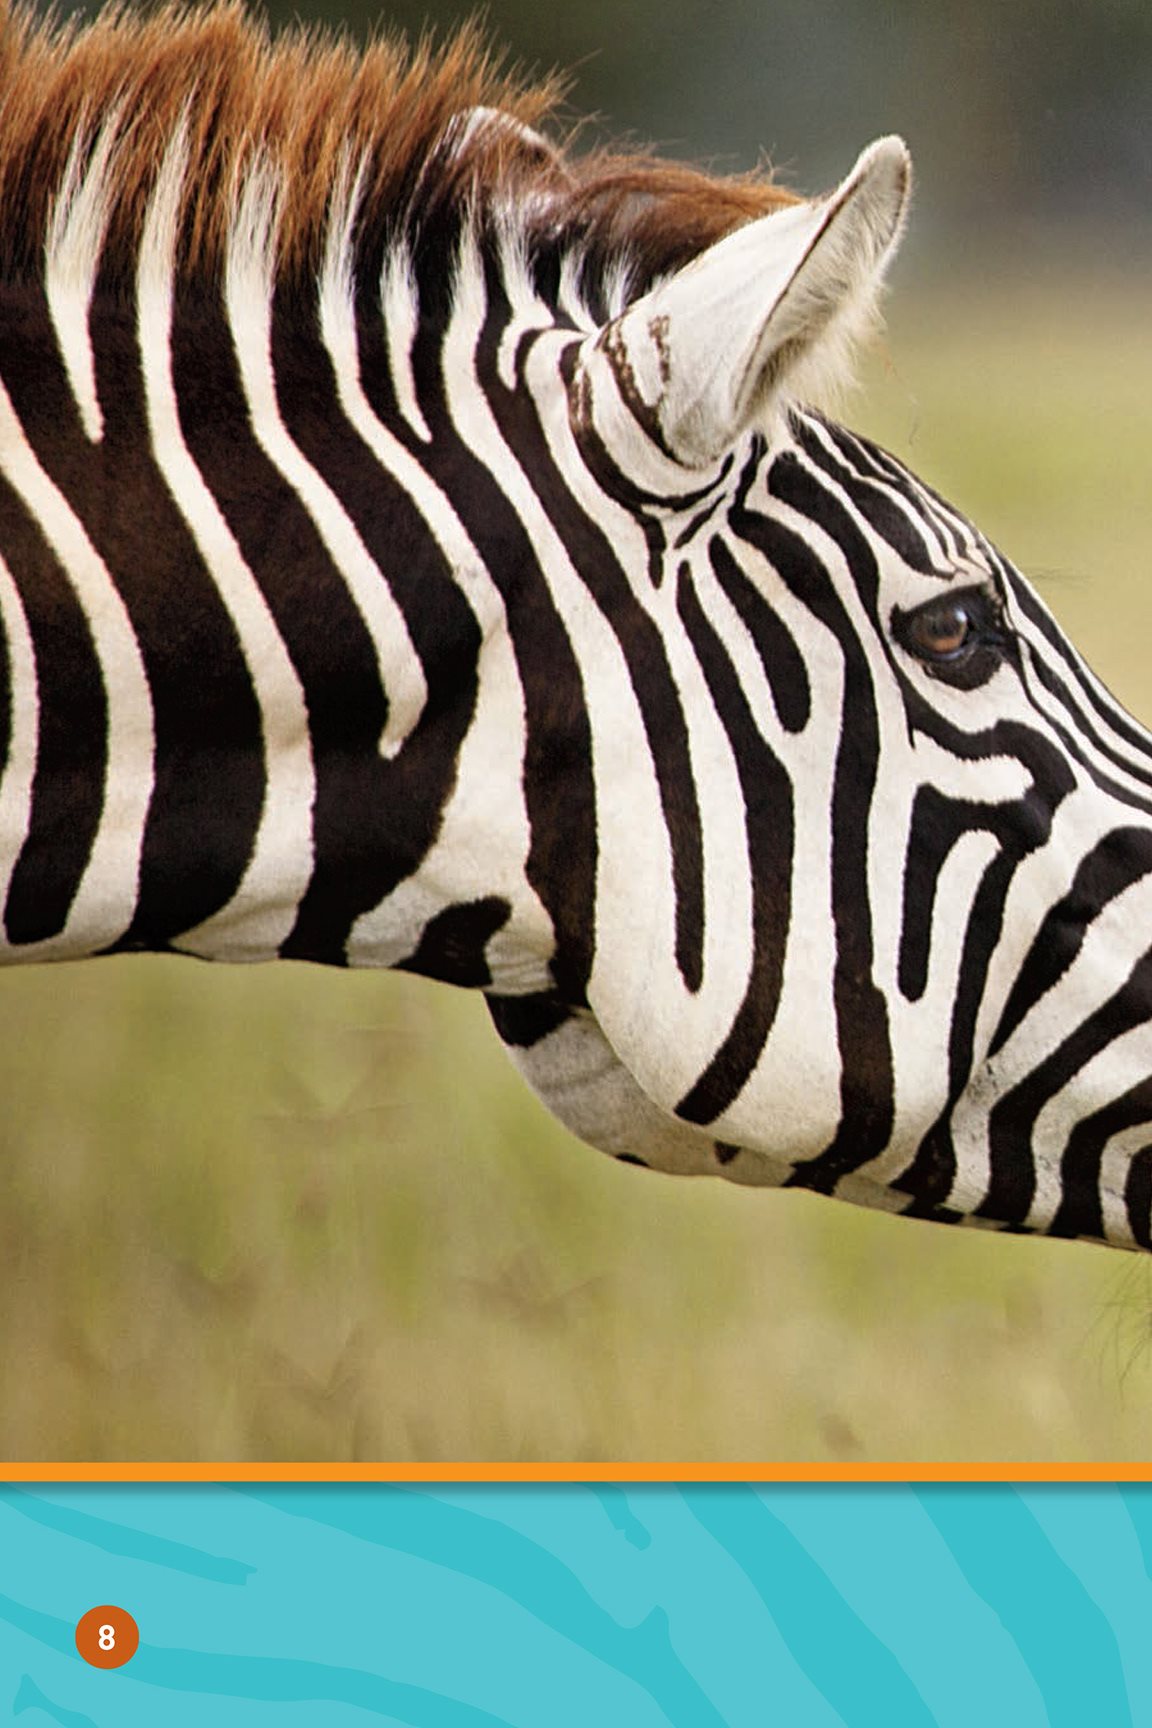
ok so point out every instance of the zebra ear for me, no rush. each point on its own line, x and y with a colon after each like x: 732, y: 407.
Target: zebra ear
x: 707, y: 354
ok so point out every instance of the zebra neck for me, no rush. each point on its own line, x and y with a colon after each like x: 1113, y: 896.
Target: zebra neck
x: 255, y: 703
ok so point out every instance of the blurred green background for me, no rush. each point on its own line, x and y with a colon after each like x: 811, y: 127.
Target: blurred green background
x: 283, y: 1214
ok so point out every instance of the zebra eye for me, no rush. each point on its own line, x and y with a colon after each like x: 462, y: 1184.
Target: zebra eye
x: 939, y: 631
x: 960, y: 637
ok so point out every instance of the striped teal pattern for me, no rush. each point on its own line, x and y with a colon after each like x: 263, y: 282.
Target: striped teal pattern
x: 712, y: 1606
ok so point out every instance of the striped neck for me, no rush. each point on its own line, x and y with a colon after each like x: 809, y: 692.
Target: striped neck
x: 257, y: 637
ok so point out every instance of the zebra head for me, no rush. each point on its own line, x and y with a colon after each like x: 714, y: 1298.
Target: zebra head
x: 873, y: 845
x: 413, y: 553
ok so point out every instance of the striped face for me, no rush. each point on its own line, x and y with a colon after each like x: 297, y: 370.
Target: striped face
x: 935, y: 995
x: 873, y: 852
x: 872, y: 844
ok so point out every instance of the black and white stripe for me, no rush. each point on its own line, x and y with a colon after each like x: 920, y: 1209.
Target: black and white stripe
x: 520, y: 630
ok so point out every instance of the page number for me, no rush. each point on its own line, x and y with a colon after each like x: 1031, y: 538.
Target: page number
x: 107, y: 1637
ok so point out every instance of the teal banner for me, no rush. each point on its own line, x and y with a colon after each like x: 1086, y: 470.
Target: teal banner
x: 705, y: 1606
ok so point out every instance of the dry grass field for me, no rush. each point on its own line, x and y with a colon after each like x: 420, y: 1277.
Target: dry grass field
x: 278, y: 1213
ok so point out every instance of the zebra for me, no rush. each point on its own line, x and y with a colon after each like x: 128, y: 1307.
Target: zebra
x: 418, y: 549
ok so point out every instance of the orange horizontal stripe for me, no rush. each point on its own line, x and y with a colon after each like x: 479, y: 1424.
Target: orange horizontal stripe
x: 464, y: 1471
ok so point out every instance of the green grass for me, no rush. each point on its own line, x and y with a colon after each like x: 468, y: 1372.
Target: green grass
x: 284, y: 1214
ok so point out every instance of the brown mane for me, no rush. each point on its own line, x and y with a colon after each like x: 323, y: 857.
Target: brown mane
x: 309, y: 99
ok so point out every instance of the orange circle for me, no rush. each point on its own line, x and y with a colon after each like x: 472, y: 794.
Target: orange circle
x: 107, y: 1637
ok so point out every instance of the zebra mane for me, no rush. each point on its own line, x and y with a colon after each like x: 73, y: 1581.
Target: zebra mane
x: 430, y: 137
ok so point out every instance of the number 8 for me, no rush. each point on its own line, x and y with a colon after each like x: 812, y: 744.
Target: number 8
x: 107, y: 1638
